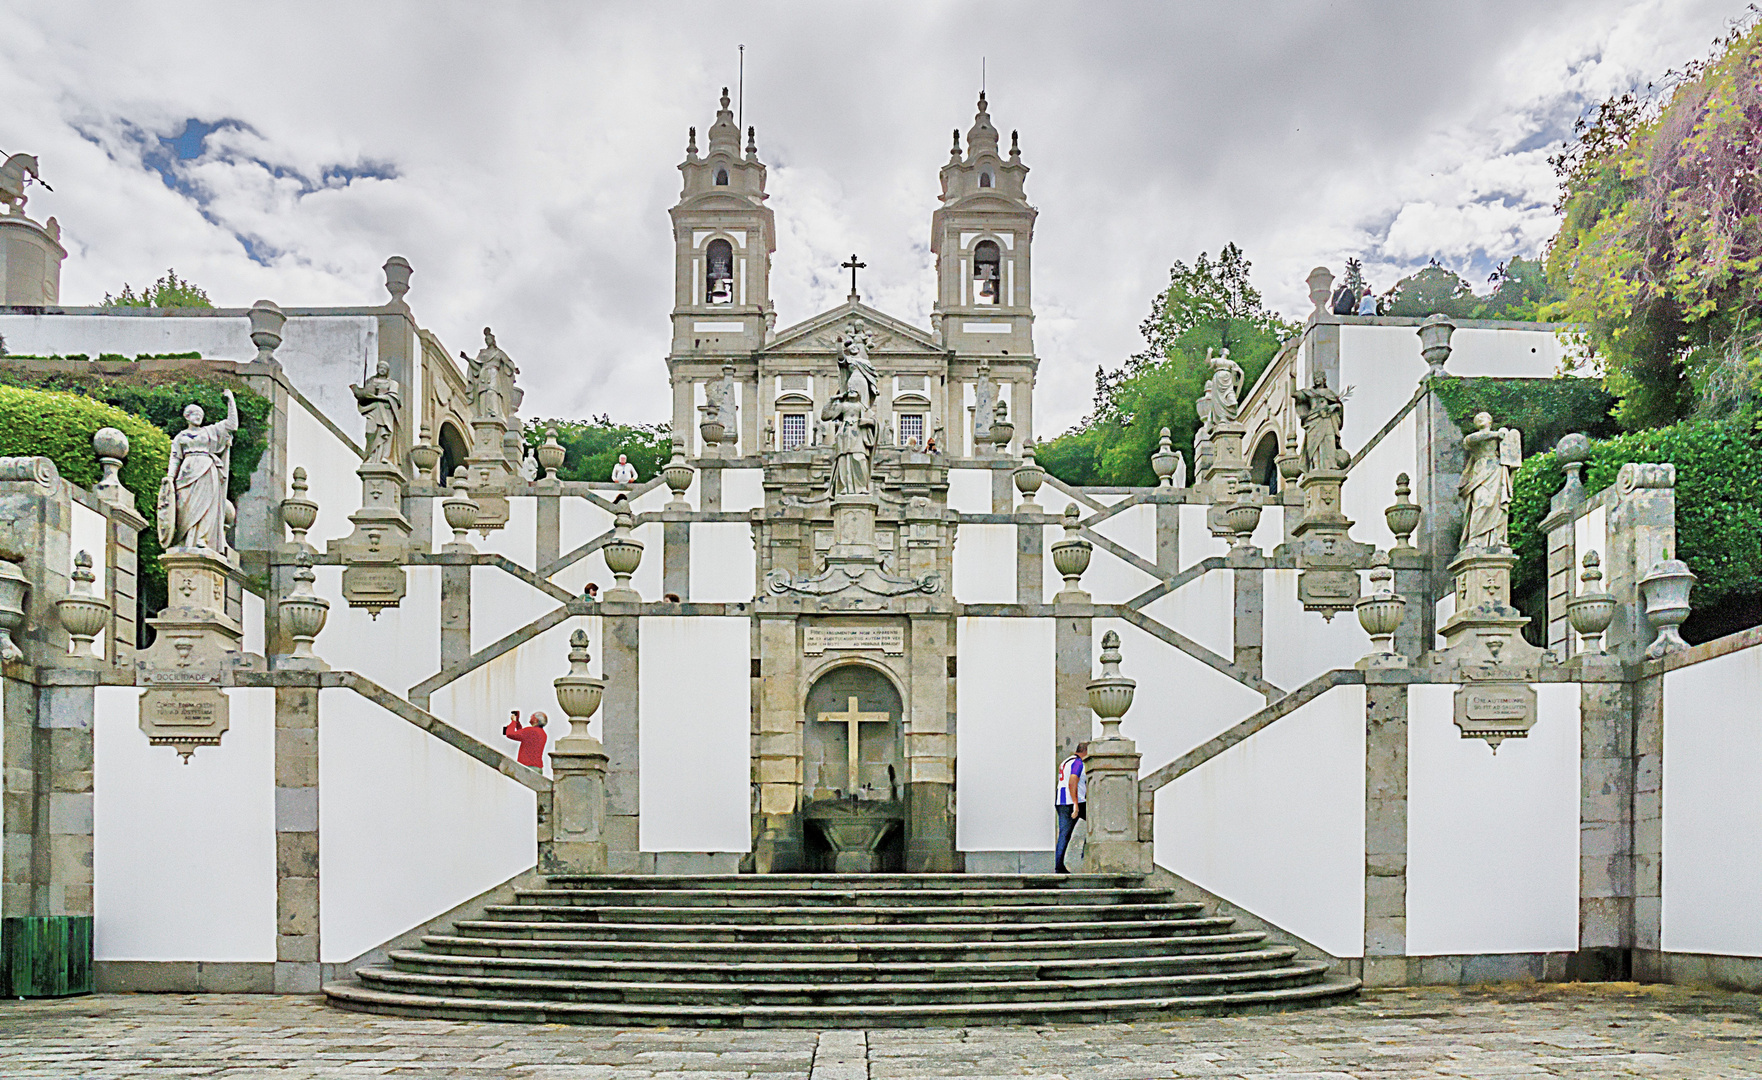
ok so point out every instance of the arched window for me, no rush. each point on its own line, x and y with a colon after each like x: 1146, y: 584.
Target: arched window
x: 721, y: 177
x: 987, y: 265
x: 719, y: 281
x: 984, y: 179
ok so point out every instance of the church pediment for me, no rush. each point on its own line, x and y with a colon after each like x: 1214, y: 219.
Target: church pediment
x: 824, y: 333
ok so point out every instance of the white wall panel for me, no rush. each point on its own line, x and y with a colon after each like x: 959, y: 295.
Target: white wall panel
x: 183, y: 858
x: 1370, y: 487
x: 1298, y: 645
x: 408, y: 826
x: 969, y: 492
x: 1204, y: 609
x: 478, y: 703
x: 1180, y: 702
x: 743, y: 489
x: 1004, y: 734
x: 985, y: 564
x: 1712, y: 811
x: 254, y: 623
x: 695, y: 704
x: 722, y: 562
x: 501, y: 604
x: 1492, y: 840
x: 1196, y: 540
x: 330, y: 466
x: 398, y: 649
x: 518, y: 539
x: 1276, y: 823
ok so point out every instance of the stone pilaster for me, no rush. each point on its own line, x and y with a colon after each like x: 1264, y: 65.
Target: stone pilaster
x: 455, y: 614
x: 1250, y: 608
x: 777, y: 839
x: 1112, y: 844
x: 929, y: 749
x: 550, y: 524
x: 1648, y: 823
x: 18, y: 796
x: 1168, y: 537
x: 296, y: 840
x: 1030, y: 560
x: 1385, y: 829
x: 62, y: 853
x: 1434, y: 488
x: 1642, y: 532
x: 1074, y: 657
x: 1606, y: 830
x: 1411, y: 577
x: 622, y: 740
x: 576, y: 841
x: 676, y: 558
x: 1003, y: 491
x: 709, y: 485
x: 122, y: 582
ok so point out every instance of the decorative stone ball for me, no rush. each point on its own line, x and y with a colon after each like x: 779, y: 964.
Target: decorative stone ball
x: 109, y: 442
x: 1572, y: 449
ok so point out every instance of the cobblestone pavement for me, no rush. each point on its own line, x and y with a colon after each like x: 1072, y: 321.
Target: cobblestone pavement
x: 1613, y: 1030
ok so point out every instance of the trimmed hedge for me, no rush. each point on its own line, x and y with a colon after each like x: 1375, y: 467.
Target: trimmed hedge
x: 1718, y: 514
x: 1543, y: 409
x: 60, y: 426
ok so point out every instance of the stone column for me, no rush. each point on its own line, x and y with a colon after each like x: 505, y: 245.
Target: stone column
x: 676, y: 556
x: 777, y: 839
x: 18, y: 801
x: 1250, y: 608
x: 709, y: 491
x: 1440, y: 523
x: 750, y: 424
x: 1411, y: 576
x: 62, y: 852
x: 1385, y: 822
x: 550, y: 525
x: 1074, y: 652
x: 1642, y: 531
x: 1030, y: 559
x: 1606, y: 829
x: 929, y: 749
x: 1022, y: 408
x: 1168, y: 537
x: 1648, y: 829
x: 455, y: 614
x: 296, y: 839
x: 622, y: 739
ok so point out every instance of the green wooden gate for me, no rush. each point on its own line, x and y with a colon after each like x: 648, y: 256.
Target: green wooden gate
x: 46, y: 955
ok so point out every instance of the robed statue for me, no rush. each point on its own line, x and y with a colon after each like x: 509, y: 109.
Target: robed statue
x: 1492, y: 456
x: 379, y: 400
x: 855, y: 367
x: 493, y: 394
x: 852, y: 429
x: 1321, y: 411
x: 192, y: 505
x: 1221, y: 401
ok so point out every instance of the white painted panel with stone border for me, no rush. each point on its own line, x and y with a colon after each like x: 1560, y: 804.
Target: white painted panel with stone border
x: 398, y: 649
x: 1298, y: 645
x: 1004, y: 735
x: 1712, y: 811
x: 1276, y: 823
x: 722, y: 562
x: 742, y: 489
x: 501, y: 604
x: 1203, y: 609
x: 1370, y: 487
x: 183, y: 857
x: 969, y: 491
x: 1590, y: 532
x: 1492, y: 840
x: 330, y: 466
x: 985, y: 564
x: 1381, y: 367
x: 1196, y: 540
x: 580, y: 521
x: 89, y: 531
x: 694, y: 691
x: 1109, y: 579
x: 254, y: 624
x: 518, y: 539
x: 1180, y: 702
x: 409, y: 827
x: 1134, y: 529
x: 478, y: 703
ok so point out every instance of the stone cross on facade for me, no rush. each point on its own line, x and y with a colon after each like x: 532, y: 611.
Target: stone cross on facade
x: 852, y: 719
x: 853, y: 266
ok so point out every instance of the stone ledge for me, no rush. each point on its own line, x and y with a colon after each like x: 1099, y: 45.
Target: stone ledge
x: 183, y: 977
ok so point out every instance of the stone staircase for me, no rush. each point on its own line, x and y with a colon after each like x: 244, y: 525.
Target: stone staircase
x: 828, y: 950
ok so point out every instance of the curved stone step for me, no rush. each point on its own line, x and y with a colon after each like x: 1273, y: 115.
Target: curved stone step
x: 837, y: 882
x: 1119, y: 967
x: 852, y: 931
x: 1062, y: 1010
x: 877, y: 994
x: 810, y: 916
x: 823, y: 897
x: 694, y: 951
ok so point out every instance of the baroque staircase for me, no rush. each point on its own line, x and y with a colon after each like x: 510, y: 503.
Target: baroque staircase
x: 829, y: 950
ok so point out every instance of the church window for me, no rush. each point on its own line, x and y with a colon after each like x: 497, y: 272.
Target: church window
x: 719, y: 283
x: 911, y: 429
x: 795, y: 430
x: 984, y: 179
x: 721, y: 177
x: 987, y: 262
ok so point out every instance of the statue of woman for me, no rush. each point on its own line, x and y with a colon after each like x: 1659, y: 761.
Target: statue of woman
x: 1492, y: 455
x: 1321, y: 412
x: 379, y: 401
x: 854, y: 363
x: 192, y: 497
x: 853, y: 441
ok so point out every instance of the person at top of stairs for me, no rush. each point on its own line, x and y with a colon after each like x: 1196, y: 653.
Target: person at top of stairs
x: 530, y: 738
x: 1068, y: 800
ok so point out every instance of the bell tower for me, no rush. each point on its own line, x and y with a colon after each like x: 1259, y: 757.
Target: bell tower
x: 981, y: 238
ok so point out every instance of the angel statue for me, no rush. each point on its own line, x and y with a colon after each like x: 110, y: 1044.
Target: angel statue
x: 855, y: 367
x: 193, y: 509
x: 1492, y: 456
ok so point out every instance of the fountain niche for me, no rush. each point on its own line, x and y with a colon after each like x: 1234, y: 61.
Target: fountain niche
x: 853, y: 773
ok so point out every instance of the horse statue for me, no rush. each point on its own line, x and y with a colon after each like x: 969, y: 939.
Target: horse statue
x: 18, y: 171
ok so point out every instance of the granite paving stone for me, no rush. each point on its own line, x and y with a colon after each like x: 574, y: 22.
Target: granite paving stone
x: 1497, y: 1032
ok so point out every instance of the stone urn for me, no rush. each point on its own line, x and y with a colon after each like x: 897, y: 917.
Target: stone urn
x: 397, y: 277
x: 460, y: 511
x: 1110, y: 695
x: 551, y: 454
x: 1434, y: 342
x: 1573, y: 451
x: 111, y: 447
x: 1002, y: 431
x: 1666, y: 590
x: 623, y: 552
x: 677, y: 476
x: 14, y: 587
x: 1592, y: 610
x: 83, y: 615
x: 578, y: 693
x: 1243, y: 518
x: 1321, y: 286
x: 297, y: 511
x: 1071, y: 555
x: 1403, y: 517
x: 425, y: 455
x: 1380, y: 611
x: 303, y: 612
x: 1029, y: 476
x: 1164, y: 462
x: 266, y: 324
x: 711, y: 428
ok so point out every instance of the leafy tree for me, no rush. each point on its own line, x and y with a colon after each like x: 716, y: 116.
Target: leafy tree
x: 1520, y: 292
x: 1433, y: 290
x: 1659, y: 252
x: 592, y: 446
x: 1210, y: 305
x: 1355, y: 276
x: 168, y: 291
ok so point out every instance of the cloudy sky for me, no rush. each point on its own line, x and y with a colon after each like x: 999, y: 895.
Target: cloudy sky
x: 522, y: 155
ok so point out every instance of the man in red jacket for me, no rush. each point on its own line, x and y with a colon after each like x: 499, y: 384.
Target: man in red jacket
x: 530, y: 738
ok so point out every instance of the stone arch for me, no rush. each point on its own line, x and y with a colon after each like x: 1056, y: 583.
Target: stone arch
x: 1263, y: 466
x: 454, y: 450
x: 825, y: 745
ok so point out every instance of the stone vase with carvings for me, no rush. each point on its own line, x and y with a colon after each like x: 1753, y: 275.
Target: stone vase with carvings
x: 14, y: 587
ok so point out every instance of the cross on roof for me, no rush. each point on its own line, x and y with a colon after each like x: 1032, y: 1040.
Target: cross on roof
x: 853, y: 266
x: 851, y: 719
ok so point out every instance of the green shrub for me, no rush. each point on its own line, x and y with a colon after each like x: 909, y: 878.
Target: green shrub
x: 591, y: 448
x: 1718, y: 513
x: 1543, y: 409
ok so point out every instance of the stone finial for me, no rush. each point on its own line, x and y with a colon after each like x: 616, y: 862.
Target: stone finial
x: 1070, y: 556
x: 111, y: 447
x: 677, y: 476
x: 1592, y: 610
x: 1015, y: 145
x: 1321, y: 286
x: 1167, y: 461
x: 1403, y: 517
x: 83, y: 615
x: 425, y: 455
x: 623, y: 553
x: 550, y: 455
x: 298, y: 512
x: 955, y: 153
x: 1434, y: 342
x: 14, y: 587
x: 1110, y: 695
x: 267, y: 321
x: 460, y: 511
x: 1380, y: 613
x: 1028, y: 477
x: 397, y: 278
x: 1573, y: 451
x: 752, y: 142
x: 578, y: 693
x: 1666, y: 592
x: 304, y: 612
x: 691, y: 143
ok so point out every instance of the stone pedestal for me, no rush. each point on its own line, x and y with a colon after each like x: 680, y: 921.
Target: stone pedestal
x: 1113, y: 845
x: 30, y: 261
x: 1327, y: 556
x: 374, y: 554
x: 853, y: 531
x: 578, y: 822
x: 493, y: 476
x: 1226, y: 461
x: 194, y: 654
x: 1484, y: 648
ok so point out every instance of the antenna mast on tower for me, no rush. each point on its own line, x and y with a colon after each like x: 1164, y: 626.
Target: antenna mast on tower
x: 740, y: 117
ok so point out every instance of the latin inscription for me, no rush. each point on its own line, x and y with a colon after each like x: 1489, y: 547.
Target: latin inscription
x: 887, y: 639
x: 184, y: 708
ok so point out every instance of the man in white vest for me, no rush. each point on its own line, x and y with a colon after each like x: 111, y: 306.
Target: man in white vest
x: 1068, y: 800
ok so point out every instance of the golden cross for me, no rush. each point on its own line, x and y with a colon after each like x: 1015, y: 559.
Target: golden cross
x: 851, y: 719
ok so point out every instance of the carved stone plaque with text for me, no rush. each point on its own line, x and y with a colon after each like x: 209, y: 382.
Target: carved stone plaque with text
x: 886, y: 639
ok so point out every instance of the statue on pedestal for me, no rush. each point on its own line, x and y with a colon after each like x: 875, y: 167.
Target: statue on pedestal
x: 379, y: 400
x: 856, y: 370
x: 1492, y: 456
x: 853, y: 439
x: 1221, y: 401
x: 493, y: 395
x: 17, y: 172
x: 1321, y: 411
x: 193, y: 508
